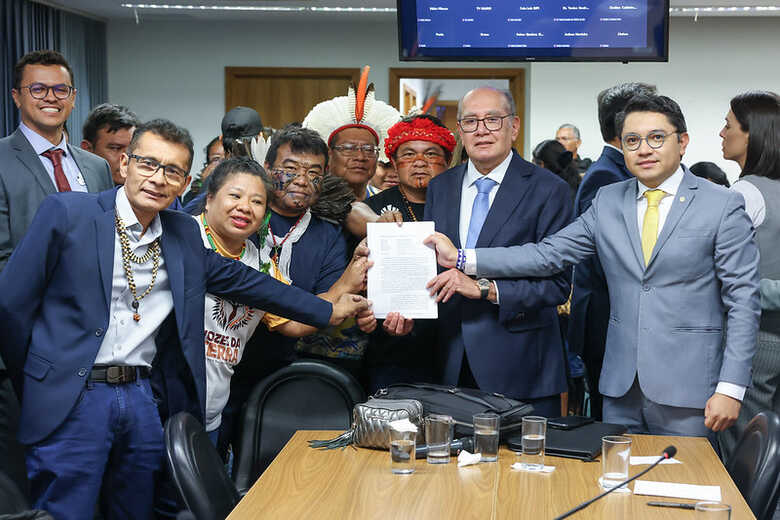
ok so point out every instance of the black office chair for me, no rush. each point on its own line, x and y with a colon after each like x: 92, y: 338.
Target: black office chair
x: 306, y: 395
x: 198, y: 471
x: 755, y: 464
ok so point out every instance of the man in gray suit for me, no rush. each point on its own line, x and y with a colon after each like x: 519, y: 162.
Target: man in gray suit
x: 36, y: 160
x: 43, y: 92
x: 682, y: 269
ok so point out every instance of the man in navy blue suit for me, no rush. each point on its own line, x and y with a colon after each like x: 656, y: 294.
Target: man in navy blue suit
x: 507, y: 340
x: 589, y: 316
x: 102, y: 306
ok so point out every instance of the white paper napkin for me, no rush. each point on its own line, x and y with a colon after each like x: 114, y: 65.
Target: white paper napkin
x: 467, y: 459
x: 403, y: 425
x: 519, y: 466
x: 674, y: 490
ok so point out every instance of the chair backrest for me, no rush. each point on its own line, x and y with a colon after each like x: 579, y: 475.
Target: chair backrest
x: 12, y: 500
x: 198, y: 471
x: 755, y: 464
x: 306, y: 395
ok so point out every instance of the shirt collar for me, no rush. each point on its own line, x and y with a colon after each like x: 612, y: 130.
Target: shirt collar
x: 131, y: 223
x: 670, y: 185
x: 497, y: 173
x: 613, y: 147
x: 39, y: 143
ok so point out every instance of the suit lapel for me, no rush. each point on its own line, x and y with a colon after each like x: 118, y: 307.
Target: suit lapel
x: 106, y: 241
x: 174, y: 265
x: 632, y: 229
x: 511, y: 191
x: 27, y: 156
x: 452, y: 215
x: 76, y: 154
x: 680, y: 204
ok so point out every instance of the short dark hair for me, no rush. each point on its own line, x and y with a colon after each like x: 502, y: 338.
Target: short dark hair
x: 436, y: 121
x: 44, y: 57
x: 207, y: 150
x: 300, y: 139
x: 168, y: 131
x: 710, y: 171
x: 232, y: 166
x: 611, y: 101
x: 653, y: 103
x: 758, y: 113
x: 558, y: 160
x: 109, y: 116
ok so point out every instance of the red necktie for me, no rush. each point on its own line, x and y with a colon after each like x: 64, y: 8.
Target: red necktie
x: 55, y: 156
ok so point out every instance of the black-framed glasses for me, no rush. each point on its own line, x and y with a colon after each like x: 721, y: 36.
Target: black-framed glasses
x: 492, y: 123
x: 147, y: 167
x: 284, y: 176
x: 351, y: 150
x: 654, y: 140
x: 40, y: 91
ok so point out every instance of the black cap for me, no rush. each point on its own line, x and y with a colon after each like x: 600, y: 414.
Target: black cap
x: 241, y: 122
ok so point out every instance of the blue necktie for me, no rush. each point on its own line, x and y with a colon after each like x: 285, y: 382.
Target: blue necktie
x: 479, y: 210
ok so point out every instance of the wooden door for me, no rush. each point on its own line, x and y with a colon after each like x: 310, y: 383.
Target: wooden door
x: 284, y: 95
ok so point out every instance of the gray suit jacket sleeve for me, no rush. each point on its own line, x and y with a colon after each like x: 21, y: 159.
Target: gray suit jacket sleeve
x: 552, y: 255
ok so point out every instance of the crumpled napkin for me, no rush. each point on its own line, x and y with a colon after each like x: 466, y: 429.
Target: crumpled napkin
x: 519, y: 466
x: 467, y: 459
x: 403, y: 425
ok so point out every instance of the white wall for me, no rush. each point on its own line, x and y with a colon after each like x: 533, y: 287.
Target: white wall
x: 176, y: 70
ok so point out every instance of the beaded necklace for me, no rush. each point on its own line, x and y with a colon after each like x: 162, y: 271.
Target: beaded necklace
x: 406, y: 202
x: 276, y: 247
x: 215, y: 245
x: 152, y: 252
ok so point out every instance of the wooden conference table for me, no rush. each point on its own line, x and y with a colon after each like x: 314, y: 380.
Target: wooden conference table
x: 357, y: 483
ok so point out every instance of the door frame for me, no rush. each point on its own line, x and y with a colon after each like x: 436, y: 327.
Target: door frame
x: 516, y: 77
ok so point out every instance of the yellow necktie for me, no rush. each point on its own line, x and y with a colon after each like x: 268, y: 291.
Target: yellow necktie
x: 650, y: 223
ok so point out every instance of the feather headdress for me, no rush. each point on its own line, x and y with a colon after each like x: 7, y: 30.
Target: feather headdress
x: 358, y: 109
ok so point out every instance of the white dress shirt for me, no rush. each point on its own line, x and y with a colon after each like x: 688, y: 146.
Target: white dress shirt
x: 130, y: 342
x: 468, y: 193
x: 69, y: 166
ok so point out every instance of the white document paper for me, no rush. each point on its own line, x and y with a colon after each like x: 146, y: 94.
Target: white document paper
x: 674, y: 490
x: 402, y: 267
x: 646, y: 461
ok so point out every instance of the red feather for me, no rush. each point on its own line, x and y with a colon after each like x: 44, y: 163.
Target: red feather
x: 429, y: 103
x: 360, y: 94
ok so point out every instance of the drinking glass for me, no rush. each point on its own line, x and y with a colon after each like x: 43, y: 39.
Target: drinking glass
x: 438, y: 435
x: 713, y: 510
x: 615, y: 458
x: 402, y: 445
x: 486, y: 436
x: 533, y: 440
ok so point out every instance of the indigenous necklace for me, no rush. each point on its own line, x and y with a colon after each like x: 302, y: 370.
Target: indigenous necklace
x: 276, y: 247
x: 152, y: 252
x: 215, y: 244
x: 406, y: 203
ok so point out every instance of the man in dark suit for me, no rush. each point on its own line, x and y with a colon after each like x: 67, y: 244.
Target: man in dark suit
x: 43, y: 91
x: 507, y: 340
x: 590, y: 300
x: 102, y: 306
x: 36, y: 160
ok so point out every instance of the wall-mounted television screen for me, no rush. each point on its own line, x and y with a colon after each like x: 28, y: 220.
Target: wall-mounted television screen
x: 533, y: 30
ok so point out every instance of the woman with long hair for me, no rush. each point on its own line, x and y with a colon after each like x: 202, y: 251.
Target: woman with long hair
x: 552, y: 155
x: 751, y: 137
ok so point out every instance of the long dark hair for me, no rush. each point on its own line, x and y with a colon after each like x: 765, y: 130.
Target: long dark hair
x: 559, y: 161
x: 758, y: 113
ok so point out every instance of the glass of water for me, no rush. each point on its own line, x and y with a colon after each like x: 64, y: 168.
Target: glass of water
x: 534, y: 435
x: 713, y: 511
x: 615, y: 459
x: 402, y: 445
x: 486, y: 435
x: 438, y: 435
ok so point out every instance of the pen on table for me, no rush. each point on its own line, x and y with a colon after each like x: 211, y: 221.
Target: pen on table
x: 678, y: 505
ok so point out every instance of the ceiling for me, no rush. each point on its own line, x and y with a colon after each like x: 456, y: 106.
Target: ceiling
x: 113, y: 10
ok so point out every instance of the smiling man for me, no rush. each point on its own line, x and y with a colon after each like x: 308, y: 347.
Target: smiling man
x: 681, y: 265
x: 102, y: 305
x: 36, y: 160
x: 500, y: 335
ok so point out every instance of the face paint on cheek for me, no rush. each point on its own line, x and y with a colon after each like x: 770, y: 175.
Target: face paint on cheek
x: 422, y: 182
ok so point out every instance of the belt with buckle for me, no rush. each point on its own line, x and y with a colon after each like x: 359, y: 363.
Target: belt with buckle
x: 117, y: 374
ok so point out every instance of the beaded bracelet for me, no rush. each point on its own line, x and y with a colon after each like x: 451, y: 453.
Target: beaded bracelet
x: 460, y: 264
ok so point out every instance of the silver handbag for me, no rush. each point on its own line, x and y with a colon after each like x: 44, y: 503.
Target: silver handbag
x: 371, y: 424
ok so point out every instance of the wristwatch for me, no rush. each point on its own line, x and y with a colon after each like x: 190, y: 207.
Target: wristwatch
x: 484, y: 287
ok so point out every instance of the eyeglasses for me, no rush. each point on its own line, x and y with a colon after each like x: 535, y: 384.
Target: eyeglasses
x: 351, y: 150
x: 492, y: 123
x: 148, y: 167
x: 40, y: 91
x: 654, y: 140
x: 430, y: 156
x: 284, y: 176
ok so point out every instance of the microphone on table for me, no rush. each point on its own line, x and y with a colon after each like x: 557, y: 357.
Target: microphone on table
x: 464, y: 443
x: 668, y: 453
